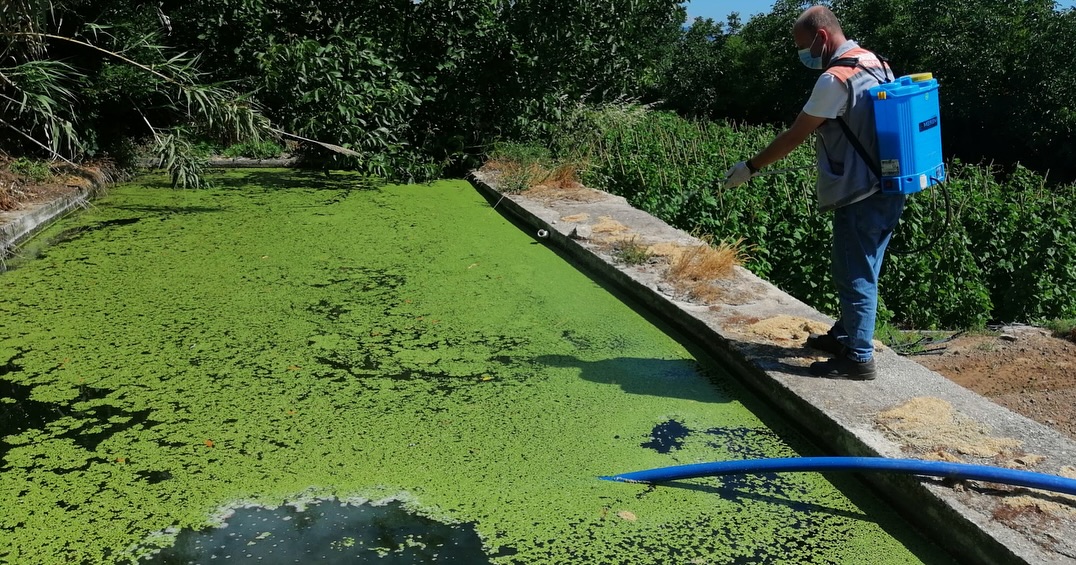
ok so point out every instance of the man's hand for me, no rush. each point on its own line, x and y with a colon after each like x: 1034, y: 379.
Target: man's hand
x: 738, y: 175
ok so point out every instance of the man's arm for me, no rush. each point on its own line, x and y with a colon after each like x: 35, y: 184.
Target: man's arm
x: 786, y: 141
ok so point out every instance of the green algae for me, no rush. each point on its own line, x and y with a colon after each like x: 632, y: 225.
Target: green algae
x: 286, y: 336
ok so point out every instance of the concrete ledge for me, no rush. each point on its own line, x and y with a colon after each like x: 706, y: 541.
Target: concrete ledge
x: 17, y: 226
x: 841, y: 416
x: 20, y: 225
x: 245, y: 163
x: 232, y: 163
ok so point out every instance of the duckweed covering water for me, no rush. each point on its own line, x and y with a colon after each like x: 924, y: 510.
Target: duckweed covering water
x: 286, y: 337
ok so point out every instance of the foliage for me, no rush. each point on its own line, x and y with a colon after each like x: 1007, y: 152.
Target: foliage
x: 32, y: 169
x: 590, y: 51
x: 481, y: 69
x: 38, y: 92
x: 1022, y: 230
x: 1065, y: 328
x: 631, y: 252
x: 343, y: 90
x: 521, y: 152
x: 694, y: 78
x: 36, y: 100
x: 266, y: 149
x: 1007, y: 255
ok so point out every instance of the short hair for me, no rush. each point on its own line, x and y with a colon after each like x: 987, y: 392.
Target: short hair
x: 818, y: 17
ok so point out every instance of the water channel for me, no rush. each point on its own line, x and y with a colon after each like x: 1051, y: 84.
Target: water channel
x: 292, y: 368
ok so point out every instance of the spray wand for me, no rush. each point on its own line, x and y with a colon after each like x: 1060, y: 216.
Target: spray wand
x: 695, y: 192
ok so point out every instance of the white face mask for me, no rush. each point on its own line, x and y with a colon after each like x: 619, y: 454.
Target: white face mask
x: 809, y: 61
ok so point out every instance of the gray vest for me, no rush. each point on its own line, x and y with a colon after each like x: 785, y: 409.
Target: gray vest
x: 843, y: 176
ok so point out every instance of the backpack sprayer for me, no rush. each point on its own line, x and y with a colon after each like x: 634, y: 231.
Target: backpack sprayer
x: 907, y: 118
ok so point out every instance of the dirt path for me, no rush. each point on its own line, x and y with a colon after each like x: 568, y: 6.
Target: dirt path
x: 1024, y: 369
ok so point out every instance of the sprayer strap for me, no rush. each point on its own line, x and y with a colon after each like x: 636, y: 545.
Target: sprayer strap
x: 871, y: 162
x: 853, y: 62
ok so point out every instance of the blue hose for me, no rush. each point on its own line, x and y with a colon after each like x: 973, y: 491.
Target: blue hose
x: 1014, y: 477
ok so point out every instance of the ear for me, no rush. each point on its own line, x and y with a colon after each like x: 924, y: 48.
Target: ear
x: 824, y: 36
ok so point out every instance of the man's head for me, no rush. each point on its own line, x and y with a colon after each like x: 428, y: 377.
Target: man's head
x: 818, y: 30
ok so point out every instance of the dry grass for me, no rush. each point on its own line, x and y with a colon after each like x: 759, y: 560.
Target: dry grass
x: 607, y: 225
x: 564, y: 175
x: 932, y: 424
x: 515, y: 176
x: 696, y: 269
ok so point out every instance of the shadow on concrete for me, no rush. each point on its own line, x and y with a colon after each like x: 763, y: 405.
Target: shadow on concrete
x: 773, y: 357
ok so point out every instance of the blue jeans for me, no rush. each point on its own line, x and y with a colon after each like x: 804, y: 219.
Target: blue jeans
x: 861, y: 232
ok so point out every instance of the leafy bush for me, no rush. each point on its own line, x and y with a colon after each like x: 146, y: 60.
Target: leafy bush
x: 1008, y: 254
x: 265, y: 149
x: 32, y: 169
x: 347, y: 91
x: 1022, y: 235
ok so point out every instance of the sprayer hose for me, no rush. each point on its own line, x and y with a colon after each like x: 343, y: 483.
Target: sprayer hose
x: 943, y: 469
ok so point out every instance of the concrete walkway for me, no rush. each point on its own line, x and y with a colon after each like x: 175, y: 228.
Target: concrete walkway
x: 908, y: 412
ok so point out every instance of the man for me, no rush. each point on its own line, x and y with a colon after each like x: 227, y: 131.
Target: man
x: 863, y: 217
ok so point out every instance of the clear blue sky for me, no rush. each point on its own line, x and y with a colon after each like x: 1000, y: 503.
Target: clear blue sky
x: 718, y: 10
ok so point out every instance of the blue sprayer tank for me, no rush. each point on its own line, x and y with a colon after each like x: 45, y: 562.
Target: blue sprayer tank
x: 906, y: 116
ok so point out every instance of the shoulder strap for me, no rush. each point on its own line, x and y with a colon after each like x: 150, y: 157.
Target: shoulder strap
x: 887, y: 76
x: 875, y: 167
x: 843, y: 62
x: 852, y: 63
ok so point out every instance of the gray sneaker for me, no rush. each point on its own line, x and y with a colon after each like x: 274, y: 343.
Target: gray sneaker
x: 825, y: 342
x: 844, y: 368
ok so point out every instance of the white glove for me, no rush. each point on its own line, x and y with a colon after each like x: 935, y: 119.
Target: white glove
x: 738, y: 175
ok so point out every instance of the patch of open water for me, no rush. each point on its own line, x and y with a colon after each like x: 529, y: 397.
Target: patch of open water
x: 326, y: 531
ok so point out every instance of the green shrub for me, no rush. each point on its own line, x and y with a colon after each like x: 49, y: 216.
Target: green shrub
x: 31, y: 169
x: 1007, y: 253
x: 265, y: 149
x: 522, y: 153
x: 1062, y: 328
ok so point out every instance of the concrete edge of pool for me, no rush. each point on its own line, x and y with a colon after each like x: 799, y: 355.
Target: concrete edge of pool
x: 839, y: 415
x: 19, y: 226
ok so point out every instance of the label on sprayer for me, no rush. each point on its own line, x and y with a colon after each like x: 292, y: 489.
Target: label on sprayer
x: 890, y: 167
